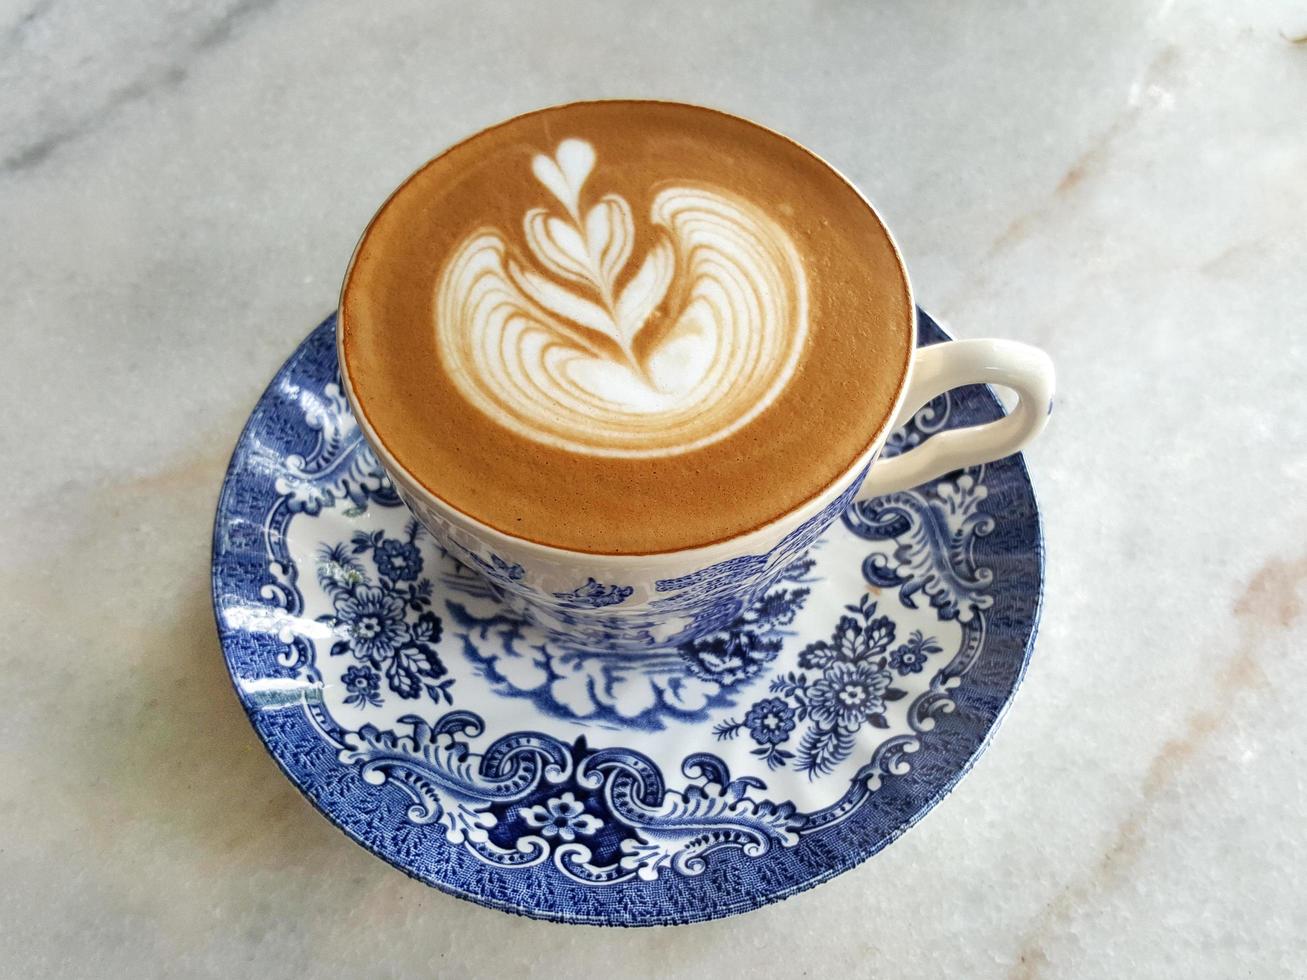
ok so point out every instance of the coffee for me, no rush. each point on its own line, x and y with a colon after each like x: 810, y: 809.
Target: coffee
x: 626, y: 327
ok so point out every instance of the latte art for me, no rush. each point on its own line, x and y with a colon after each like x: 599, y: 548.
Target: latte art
x: 625, y: 327
x: 553, y: 346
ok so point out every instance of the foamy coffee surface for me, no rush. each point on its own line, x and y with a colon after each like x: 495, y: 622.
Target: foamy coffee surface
x: 626, y: 327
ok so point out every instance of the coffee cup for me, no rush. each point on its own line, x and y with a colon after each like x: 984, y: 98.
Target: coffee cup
x: 629, y: 360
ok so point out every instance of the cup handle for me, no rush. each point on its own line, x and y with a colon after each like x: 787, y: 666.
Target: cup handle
x: 1026, y: 370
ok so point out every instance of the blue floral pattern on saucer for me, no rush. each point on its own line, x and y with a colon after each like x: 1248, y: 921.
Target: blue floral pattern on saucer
x: 431, y: 724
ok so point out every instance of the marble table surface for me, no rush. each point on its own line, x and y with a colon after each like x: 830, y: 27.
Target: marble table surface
x: 1123, y: 183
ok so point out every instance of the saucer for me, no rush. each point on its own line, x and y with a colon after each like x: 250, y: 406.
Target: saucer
x: 464, y: 748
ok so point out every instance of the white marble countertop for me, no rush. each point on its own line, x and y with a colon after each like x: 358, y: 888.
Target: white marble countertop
x: 1123, y: 183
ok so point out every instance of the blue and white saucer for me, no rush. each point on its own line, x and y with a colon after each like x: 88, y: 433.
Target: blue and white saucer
x: 456, y: 743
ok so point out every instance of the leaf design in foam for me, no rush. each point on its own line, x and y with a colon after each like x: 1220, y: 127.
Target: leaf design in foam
x: 561, y: 302
x: 558, y: 246
x: 644, y: 292
x: 592, y: 252
x: 610, y: 234
x: 565, y: 174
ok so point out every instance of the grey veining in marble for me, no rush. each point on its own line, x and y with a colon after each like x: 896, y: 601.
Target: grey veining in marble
x: 1123, y: 183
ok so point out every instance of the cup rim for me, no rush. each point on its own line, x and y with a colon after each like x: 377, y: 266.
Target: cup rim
x: 761, y: 533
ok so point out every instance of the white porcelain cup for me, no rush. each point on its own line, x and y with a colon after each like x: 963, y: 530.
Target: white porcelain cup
x: 634, y: 603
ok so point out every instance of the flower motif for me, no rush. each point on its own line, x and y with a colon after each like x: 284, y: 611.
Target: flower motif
x: 911, y: 656
x: 877, y: 635
x: 363, y: 685
x: 853, y: 642
x: 374, y: 621
x: 371, y: 621
x: 398, y: 561
x: 907, y: 659
x: 411, y: 663
x: 816, y: 656
x: 562, y: 817
x: 847, y: 695
x: 427, y: 629
x: 848, y: 641
x: 770, y: 721
x: 843, y: 683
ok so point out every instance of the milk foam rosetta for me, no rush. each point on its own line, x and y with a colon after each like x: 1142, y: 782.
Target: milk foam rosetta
x: 550, y: 343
